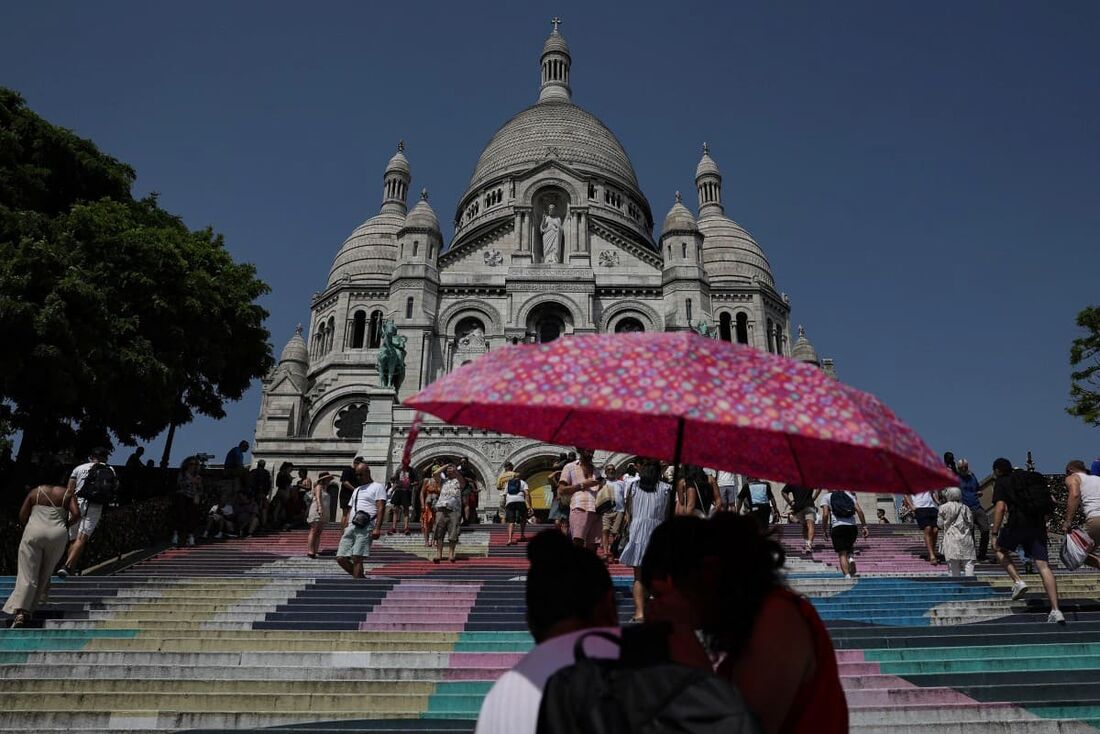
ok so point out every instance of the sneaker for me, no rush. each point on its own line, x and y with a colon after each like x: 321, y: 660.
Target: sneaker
x: 1018, y: 589
x: 219, y: 536
x: 205, y: 534
x: 1056, y: 617
x: 807, y: 547
x: 63, y: 572
x: 175, y: 539
x: 852, y: 568
x: 190, y: 540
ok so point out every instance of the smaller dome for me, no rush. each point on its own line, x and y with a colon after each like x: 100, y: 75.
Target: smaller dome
x: 399, y: 163
x: 555, y: 43
x: 422, y: 215
x: 295, y: 349
x: 679, y: 218
x: 803, y: 350
x: 706, y: 164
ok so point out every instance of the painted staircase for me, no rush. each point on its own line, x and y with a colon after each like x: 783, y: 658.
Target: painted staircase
x: 246, y: 634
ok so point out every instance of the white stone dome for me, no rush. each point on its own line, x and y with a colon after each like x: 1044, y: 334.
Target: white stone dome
x: 803, y: 350
x: 559, y: 130
x: 679, y: 218
x: 422, y: 215
x: 399, y: 163
x: 730, y: 254
x: 295, y: 349
x: 370, y: 252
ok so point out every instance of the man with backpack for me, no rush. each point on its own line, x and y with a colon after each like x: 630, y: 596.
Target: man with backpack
x: 1025, y: 497
x: 95, y: 484
x: 757, y: 496
x: 516, y: 501
x: 840, y: 510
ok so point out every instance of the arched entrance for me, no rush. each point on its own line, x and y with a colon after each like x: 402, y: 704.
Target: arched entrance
x: 536, y: 472
x: 549, y: 321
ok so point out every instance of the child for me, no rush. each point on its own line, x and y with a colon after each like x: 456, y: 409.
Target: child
x: 957, y: 524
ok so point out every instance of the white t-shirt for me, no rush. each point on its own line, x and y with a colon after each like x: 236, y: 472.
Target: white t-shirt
x: 518, y: 497
x: 365, y: 496
x: 923, y: 500
x: 512, y: 706
x: 618, y: 487
x: 833, y: 519
x: 80, y: 474
x: 728, y: 479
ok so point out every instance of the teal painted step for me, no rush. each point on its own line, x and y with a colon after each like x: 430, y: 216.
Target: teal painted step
x: 13, y: 658
x: 1002, y: 665
x: 1090, y: 714
x: 48, y: 640
x: 457, y: 699
x: 911, y: 654
x: 493, y: 642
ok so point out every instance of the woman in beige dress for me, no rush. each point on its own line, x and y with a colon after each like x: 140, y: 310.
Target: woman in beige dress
x: 47, y: 513
x: 318, y: 511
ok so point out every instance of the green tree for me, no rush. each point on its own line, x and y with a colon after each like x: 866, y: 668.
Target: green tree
x: 116, y: 318
x: 1084, y: 357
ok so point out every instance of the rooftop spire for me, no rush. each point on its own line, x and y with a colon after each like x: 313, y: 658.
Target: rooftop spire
x: 396, y: 182
x: 555, y: 62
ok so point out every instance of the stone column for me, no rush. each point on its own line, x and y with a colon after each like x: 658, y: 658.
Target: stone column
x: 522, y: 254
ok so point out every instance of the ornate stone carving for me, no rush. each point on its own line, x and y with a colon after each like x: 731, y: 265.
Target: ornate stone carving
x: 493, y: 258
x: 609, y: 259
x: 473, y: 341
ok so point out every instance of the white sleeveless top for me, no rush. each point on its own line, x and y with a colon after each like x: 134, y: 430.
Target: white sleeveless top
x: 1090, y: 495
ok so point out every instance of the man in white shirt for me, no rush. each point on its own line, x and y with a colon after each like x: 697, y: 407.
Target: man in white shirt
x: 362, y: 522
x: 926, y: 509
x: 728, y: 487
x: 556, y: 620
x: 90, y: 511
x: 517, y: 502
x: 840, y: 517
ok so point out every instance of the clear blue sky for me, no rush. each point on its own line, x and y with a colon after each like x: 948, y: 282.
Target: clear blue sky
x: 922, y: 176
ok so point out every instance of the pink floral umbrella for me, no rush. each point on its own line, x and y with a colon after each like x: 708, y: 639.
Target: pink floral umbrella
x: 686, y: 398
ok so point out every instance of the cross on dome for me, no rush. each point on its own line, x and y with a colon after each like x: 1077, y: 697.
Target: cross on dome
x: 298, y: 329
x: 706, y: 148
x: 555, y: 21
x: 679, y: 198
x: 400, y: 146
x: 423, y: 194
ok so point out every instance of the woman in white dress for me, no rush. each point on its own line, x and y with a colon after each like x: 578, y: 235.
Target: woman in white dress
x: 647, y: 504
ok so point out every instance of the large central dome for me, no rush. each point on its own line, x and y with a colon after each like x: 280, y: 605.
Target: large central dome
x: 554, y: 129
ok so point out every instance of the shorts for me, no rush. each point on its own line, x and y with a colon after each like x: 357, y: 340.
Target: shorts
x: 90, y: 512
x: 806, y: 513
x: 610, y: 521
x: 926, y: 517
x: 584, y: 525
x: 557, y: 512
x: 515, y: 512
x: 356, y: 541
x: 728, y: 494
x: 762, y: 515
x: 1033, y: 541
x: 401, y: 498
x: 844, y: 538
x: 447, y: 525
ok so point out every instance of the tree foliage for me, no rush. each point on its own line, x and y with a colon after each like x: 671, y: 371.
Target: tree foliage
x: 1084, y: 357
x: 116, y: 318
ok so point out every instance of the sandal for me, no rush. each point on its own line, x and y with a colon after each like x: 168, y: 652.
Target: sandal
x: 20, y: 620
x: 637, y: 620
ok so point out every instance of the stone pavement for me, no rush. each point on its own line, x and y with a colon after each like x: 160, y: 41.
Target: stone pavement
x: 244, y: 634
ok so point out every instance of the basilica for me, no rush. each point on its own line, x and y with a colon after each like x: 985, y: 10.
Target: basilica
x: 552, y: 237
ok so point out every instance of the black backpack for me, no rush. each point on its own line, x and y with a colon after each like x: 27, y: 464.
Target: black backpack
x: 702, y: 489
x: 640, y: 693
x: 1030, y: 494
x: 100, y: 485
x: 842, y: 505
x: 513, y: 487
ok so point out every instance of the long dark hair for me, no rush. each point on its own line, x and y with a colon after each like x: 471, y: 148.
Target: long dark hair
x: 748, y: 565
x: 649, y: 474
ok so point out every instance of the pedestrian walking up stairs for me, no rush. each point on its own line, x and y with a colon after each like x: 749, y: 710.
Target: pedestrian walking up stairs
x: 247, y: 634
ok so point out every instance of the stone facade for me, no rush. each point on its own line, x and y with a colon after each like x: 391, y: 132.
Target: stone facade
x: 499, y: 283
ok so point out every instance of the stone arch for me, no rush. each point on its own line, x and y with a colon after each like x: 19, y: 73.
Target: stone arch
x: 456, y: 311
x: 426, y: 453
x: 331, y: 404
x: 566, y: 304
x: 649, y: 318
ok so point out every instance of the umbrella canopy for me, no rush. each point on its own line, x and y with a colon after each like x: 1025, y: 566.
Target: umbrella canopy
x: 683, y: 397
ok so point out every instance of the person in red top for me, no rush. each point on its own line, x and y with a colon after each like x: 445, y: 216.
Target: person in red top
x: 721, y: 577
